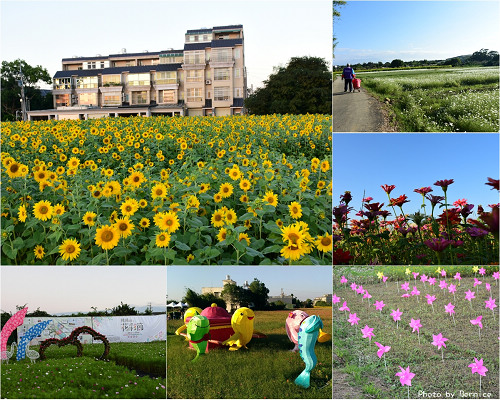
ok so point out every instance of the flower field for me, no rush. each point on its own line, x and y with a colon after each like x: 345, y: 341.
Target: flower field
x: 417, y: 333
x: 64, y: 376
x: 217, y: 190
x: 453, y: 235
x: 444, y: 100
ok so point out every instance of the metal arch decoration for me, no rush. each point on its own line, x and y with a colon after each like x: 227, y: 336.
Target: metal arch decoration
x: 12, y: 323
x: 32, y: 333
x: 72, y: 339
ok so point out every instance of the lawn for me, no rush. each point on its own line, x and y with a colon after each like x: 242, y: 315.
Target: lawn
x: 266, y: 370
x: 134, y: 370
x: 440, y: 100
x: 356, y: 362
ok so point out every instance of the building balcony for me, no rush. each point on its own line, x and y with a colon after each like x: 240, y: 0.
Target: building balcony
x: 187, y: 67
x: 111, y: 88
x: 62, y: 91
x: 162, y: 85
x: 222, y: 63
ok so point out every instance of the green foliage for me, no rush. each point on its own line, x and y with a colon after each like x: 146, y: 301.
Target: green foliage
x: 303, y: 86
x: 202, y: 301
x: 123, y: 309
x: 11, y: 91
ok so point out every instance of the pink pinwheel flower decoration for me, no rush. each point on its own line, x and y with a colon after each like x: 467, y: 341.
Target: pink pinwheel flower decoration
x: 431, y: 281
x: 344, y: 307
x: 360, y: 290
x: 488, y: 287
x: 335, y: 299
x: 415, y: 324
x: 477, y: 282
x: 415, y: 291
x: 450, y: 308
x: 384, y: 278
x: 478, y: 367
x: 382, y: 349
x: 405, y: 286
x: 423, y: 278
x: 443, y: 285
x: 405, y: 376
x: 415, y: 274
x: 477, y: 321
x: 452, y: 288
x: 457, y: 276
x: 490, y: 304
x: 396, y: 315
x: 496, y: 275
x: 405, y: 295
x: 354, y: 286
x: 482, y: 271
x: 367, y: 295
x: 379, y: 305
x: 367, y: 332
x: 430, y: 299
x: 353, y: 319
x: 443, y: 273
x: 469, y: 295
x: 438, y: 340
x: 343, y: 279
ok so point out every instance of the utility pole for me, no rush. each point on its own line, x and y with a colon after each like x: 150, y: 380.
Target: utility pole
x: 20, y: 82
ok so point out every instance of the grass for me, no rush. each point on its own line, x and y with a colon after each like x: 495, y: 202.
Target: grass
x: 446, y: 100
x: 63, y: 375
x: 354, y: 356
x: 266, y: 370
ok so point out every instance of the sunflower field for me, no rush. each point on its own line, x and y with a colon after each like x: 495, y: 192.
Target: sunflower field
x: 188, y: 190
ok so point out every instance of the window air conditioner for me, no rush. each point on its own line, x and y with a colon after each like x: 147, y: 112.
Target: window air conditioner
x: 208, y: 82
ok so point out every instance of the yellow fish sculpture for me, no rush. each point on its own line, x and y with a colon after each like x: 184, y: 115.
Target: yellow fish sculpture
x: 190, y: 312
x: 242, y: 324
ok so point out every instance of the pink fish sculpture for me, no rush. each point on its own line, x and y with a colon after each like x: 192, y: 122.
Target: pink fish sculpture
x: 292, y: 325
x: 13, y: 322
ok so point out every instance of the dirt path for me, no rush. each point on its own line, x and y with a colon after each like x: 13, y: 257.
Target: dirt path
x: 357, y: 111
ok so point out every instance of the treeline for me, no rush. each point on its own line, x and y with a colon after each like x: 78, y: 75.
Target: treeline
x: 483, y: 57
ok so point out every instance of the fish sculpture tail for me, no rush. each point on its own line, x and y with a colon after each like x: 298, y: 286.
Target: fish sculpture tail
x: 304, y: 379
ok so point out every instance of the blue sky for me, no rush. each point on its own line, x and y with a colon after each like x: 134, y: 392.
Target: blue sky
x: 411, y: 161
x: 43, y: 32
x: 414, y: 30
x: 303, y: 282
x: 72, y: 289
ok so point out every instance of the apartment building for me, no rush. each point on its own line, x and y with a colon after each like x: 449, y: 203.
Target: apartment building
x: 206, y: 77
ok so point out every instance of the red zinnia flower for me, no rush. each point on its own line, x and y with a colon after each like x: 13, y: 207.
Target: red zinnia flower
x: 423, y: 190
x: 444, y: 183
x: 438, y: 244
x: 493, y: 182
x: 399, y: 201
x: 388, y: 188
x: 341, y: 257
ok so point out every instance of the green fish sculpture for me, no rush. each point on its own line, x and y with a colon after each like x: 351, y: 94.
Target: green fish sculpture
x: 198, y: 333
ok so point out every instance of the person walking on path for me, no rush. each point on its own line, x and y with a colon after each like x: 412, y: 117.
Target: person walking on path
x: 348, y: 75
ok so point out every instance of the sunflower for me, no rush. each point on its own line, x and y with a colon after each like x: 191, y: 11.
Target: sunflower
x: 58, y: 209
x: 295, y: 210
x: 143, y: 203
x: 193, y: 202
x: 14, y: 169
x: 271, y: 198
x: 245, y: 185
x: 234, y: 173
x: 73, y: 163
x: 325, y: 166
x: 69, y: 249
x: 40, y: 176
x: 222, y: 234
x: 247, y: 223
x: 230, y: 216
x: 217, y: 197
x: 324, y: 243
x: 39, y: 251
x: 144, y: 222
x: 159, y: 190
x: 136, y: 179
x: 217, y: 219
x: 162, y: 239
x: 22, y: 213
x: 293, y: 251
x: 124, y: 227
x: 107, y: 237
x: 226, y: 190
x: 244, y: 236
x: 204, y: 187
x: 292, y: 234
x: 129, y: 207
x: 244, y: 198
x: 168, y: 222
x: 96, y: 193
x: 43, y: 210
x: 190, y: 258
x: 88, y: 218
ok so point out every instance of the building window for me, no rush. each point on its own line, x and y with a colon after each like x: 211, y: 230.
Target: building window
x: 221, y: 55
x: 194, y: 75
x: 62, y: 83
x: 102, y: 64
x: 87, y: 82
x: 221, y: 93
x: 62, y: 100
x: 139, y: 79
x: 237, y: 72
x: 167, y: 96
x: 236, y: 53
x: 140, y: 97
x: 91, y: 65
x: 111, y: 80
x: 194, y: 57
x: 221, y: 74
x: 165, y: 77
x: 112, y: 100
x: 194, y: 94
x: 238, y: 92
x: 87, y: 99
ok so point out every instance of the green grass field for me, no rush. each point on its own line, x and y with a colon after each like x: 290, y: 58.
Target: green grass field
x: 356, y: 363
x: 134, y: 370
x: 440, y: 100
x: 266, y: 370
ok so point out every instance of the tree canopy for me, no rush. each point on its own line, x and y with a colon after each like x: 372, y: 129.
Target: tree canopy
x: 11, y: 91
x: 303, y: 86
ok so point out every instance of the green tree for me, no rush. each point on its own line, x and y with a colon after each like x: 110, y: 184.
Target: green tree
x: 303, y: 86
x: 308, y: 303
x: 123, y: 309
x: 11, y: 91
x: 336, y: 14
x: 259, y: 294
x: 454, y: 62
x: 397, y: 63
x: 38, y: 313
x: 192, y: 298
x: 234, y: 294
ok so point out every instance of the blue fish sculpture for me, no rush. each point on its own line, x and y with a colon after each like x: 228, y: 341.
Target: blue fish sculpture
x: 308, y: 335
